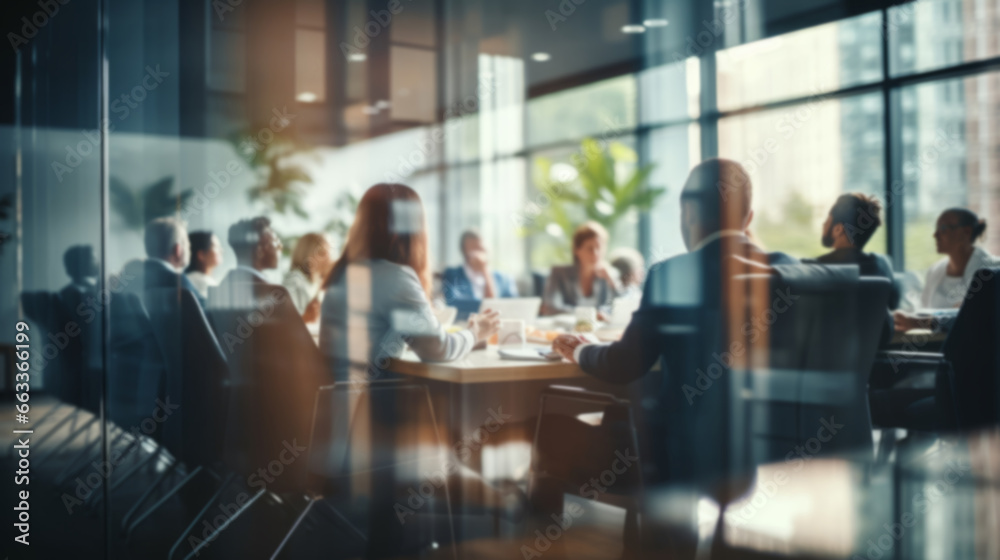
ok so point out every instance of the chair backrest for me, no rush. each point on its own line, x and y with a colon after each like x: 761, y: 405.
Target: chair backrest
x: 64, y: 373
x: 136, y: 365
x: 974, y: 353
x: 812, y: 393
x: 196, y: 375
x: 275, y: 368
x: 375, y: 455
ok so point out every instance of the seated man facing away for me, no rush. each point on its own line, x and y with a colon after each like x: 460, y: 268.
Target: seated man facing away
x: 715, y: 214
x: 466, y: 286
x: 257, y: 248
x: 852, y: 222
x: 169, y: 252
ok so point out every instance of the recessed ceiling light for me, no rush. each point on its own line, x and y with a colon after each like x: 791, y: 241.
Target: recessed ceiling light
x: 357, y: 57
x: 306, y: 97
x: 540, y: 56
x: 632, y: 29
x: 656, y: 23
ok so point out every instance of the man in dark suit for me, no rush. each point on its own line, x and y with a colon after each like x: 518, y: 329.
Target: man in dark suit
x: 852, y: 222
x: 169, y: 252
x: 715, y: 215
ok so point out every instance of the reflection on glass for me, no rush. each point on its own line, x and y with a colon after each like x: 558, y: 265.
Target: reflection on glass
x: 932, y: 34
x: 800, y: 159
x: 605, y: 108
x: 799, y: 64
x: 950, y: 148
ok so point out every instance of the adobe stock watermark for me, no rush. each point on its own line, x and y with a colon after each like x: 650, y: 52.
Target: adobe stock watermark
x: 425, y: 149
x: 122, y: 107
x: 591, y: 490
x: 423, y: 493
x: 566, y: 9
x: 794, y: 461
x: 47, y: 9
x: 753, y: 329
x: 203, y: 196
x: 245, y: 325
x: 881, y: 546
x: 379, y: 22
x: 260, y: 479
x: 698, y: 44
x: 102, y: 470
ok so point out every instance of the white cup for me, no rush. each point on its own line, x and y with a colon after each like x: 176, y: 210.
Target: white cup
x: 512, y: 333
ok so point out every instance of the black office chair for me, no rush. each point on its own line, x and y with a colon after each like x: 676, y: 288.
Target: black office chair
x: 274, y: 370
x: 373, y: 448
x: 195, y: 379
x: 606, y: 423
x: 963, y: 393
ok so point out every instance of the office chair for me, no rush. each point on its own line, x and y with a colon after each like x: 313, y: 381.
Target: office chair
x: 274, y: 370
x: 964, y: 391
x: 195, y: 382
x: 554, y: 474
x: 378, y: 470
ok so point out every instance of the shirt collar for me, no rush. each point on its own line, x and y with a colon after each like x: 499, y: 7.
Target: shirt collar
x: 472, y: 275
x: 719, y: 235
x: 169, y: 266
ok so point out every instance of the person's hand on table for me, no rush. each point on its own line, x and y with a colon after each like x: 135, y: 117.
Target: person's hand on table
x: 565, y: 344
x: 484, y: 325
x: 904, y: 321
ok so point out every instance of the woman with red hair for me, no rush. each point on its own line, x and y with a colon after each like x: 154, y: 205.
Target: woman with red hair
x: 378, y: 294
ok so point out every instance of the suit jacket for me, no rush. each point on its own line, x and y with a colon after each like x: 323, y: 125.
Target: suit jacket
x: 562, y: 290
x: 869, y: 264
x: 157, y: 274
x: 692, y: 282
x: 458, y: 290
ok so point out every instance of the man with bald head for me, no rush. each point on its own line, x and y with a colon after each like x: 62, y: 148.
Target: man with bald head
x: 715, y: 214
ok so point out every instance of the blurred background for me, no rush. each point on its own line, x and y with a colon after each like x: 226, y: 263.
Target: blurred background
x: 521, y: 118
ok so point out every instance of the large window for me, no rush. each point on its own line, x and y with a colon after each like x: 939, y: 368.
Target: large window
x: 951, y: 157
x: 800, y: 159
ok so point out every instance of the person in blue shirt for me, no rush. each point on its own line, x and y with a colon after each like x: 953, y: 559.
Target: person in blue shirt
x: 466, y: 286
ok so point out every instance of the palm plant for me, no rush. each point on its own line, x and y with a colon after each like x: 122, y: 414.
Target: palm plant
x: 278, y: 166
x: 137, y: 208
x: 601, y: 183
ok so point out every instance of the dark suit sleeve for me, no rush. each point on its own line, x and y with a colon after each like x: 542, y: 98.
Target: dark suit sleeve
x: 186, y: 283
x: 631, y: 357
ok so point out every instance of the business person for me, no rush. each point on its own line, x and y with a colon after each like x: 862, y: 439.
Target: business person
x: 312, y: 260
x: 81, y: 267
x: 466, y: 286
x: 257, y: 249
x: 631, y: 269
x: 589, y: 281
x: 378, y: 294
x: 715, y: 213
x: 851, y: 223
x: 169, y: 252
x: 206, y: 256
x: 948, y: 281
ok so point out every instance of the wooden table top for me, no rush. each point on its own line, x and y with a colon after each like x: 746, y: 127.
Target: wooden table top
x: 918, y: 337
x: 484, y: 366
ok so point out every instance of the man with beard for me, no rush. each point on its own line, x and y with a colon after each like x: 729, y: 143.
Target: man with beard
x: 852, y: 222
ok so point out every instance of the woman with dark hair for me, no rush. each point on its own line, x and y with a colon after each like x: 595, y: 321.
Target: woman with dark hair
x: 378, y: 293
x: 948, y: 280
x: 589, y: 281
x: 206, y: 256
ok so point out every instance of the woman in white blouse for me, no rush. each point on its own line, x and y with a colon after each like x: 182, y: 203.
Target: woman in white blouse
x: 206, y: 256
x: 378, y: 295
x: 948, y: 280
x: 312, y: 261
